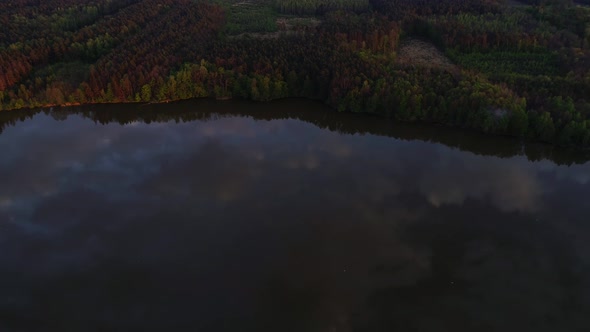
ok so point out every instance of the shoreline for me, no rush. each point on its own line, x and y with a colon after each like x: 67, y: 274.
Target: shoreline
x: 313, y: 112
x: 521, y: 140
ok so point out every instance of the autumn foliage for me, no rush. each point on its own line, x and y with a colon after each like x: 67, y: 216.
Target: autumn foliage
x: 518, y: 71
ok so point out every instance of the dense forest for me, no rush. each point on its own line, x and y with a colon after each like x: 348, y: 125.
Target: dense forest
x: 519, y: 68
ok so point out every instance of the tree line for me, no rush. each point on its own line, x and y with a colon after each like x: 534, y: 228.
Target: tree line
x: 523, y: 72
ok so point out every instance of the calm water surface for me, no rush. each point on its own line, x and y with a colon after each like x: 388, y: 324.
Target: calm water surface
x: 279, y: 217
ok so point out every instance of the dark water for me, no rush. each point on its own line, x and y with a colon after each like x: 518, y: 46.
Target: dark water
x: 284, y: 217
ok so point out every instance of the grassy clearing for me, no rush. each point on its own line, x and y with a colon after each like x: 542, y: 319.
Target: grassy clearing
x: 245, y: 16
x: 286, y: 26
x: 420, y: 53
x: 293, y: 23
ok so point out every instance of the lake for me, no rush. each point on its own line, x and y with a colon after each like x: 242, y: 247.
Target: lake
x: 284, y: 216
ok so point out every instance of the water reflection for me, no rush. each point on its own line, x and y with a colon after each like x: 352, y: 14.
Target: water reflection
x: 238, y: 223
x: 307, y: 111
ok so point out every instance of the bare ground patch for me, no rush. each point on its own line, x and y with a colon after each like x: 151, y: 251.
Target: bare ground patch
x: 242, y: 3
x: 263, y: 35
x: 287, y: 26
x: 423, y: 54
x: 291, y: 23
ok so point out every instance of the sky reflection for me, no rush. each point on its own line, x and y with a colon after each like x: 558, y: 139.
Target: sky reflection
x: 279, y: 225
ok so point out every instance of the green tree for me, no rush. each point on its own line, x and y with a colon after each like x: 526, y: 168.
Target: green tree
x: 254, y: 92
x: 146, y: 93
x: 543, y: 127
x: 518, y: 123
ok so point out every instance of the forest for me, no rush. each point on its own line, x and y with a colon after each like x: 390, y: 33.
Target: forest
x: 506, y: 67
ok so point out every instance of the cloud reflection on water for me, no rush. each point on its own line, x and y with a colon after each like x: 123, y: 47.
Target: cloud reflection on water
x: 321, y: 230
